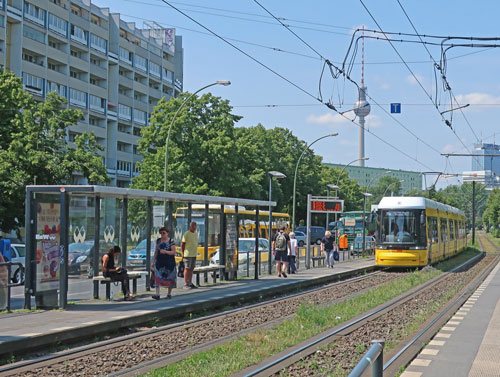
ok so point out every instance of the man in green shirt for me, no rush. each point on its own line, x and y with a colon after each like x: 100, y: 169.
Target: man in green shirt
x: 189, y: 247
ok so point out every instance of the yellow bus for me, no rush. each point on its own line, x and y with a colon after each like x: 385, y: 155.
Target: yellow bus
x: 246, y: 226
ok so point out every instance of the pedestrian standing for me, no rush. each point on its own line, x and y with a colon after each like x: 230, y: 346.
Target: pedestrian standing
x: 327, y: 245
x: 292, y: 252
x: 189, y: 248
x: 281, y: 244
x: 164, y: 264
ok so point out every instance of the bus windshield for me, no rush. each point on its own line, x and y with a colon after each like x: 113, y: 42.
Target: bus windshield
x: 401, y: 227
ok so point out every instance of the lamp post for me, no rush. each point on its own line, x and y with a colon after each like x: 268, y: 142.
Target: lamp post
x: 272, y: 174
x: 296, y: 169
x: 353, y: 161
x: 365, y: 195
x: 329, y: 187
x: 218, y: 82
x: 393, y: 183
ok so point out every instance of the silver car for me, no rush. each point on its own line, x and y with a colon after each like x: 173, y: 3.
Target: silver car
x: 18, y: 252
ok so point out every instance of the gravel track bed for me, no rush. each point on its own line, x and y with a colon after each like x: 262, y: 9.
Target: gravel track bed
x: 340, y: 357
x: 139, y: 351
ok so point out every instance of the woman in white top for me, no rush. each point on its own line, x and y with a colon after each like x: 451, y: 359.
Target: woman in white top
x: 292, y: 253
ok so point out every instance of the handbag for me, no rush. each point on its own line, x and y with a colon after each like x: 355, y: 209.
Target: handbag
x: 180, y: 269
x: 152, y: 279
x: 335, y: 255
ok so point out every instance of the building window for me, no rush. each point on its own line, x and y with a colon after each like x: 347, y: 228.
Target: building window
x: 77, y: 98
x: 141, y: 63
x: 140, y: 116
x: 33, y: 34
x: 126, y: 55
x: 97, y: 103
x: 123, y: 166
x: 98, y: 43
x: 33, y: 83
x: 168, y: 75
x: 124, y: 112
x: 58, y: 25
x: 58, y: 88
x: 35, y: 14
x: 155, y: 69
x: 78, y: 34
x: 72, y: 136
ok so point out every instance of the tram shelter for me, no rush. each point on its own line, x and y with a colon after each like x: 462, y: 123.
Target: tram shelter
x: 61, y: 217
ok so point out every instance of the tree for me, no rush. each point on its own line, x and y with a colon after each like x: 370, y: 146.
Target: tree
x: 202, y: 148
x: 37, y: 152
x: 491, y: 215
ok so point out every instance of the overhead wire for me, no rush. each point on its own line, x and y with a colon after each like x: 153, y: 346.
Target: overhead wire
x: 340, y: 71
x: 291, y: 83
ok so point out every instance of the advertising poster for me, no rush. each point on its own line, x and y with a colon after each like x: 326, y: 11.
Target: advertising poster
x: 231, y: 252
x: 170, y: 39
x: 48, y: 257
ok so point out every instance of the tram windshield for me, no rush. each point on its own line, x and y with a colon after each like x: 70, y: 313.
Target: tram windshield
x: 402, y: 227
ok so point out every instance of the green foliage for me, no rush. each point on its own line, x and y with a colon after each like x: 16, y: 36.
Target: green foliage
x: 36, y: 151
x: 491, y: 215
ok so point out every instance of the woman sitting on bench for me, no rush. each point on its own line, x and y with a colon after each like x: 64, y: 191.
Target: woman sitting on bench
x: 116, y: 273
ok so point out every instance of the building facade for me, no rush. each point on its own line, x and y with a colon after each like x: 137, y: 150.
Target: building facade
x: 110, y: 69
x: 485, y: 166
x: 366, y: 176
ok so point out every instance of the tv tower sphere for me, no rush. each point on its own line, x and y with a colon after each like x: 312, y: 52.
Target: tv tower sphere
x: 362, y: 107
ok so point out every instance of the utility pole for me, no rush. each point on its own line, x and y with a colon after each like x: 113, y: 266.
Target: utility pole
x: 473, y: 212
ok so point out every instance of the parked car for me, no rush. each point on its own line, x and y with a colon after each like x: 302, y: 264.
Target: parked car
x: 80, y: 256
x: 317, y: 233
x: 137, y: 256
x: 356, y: 246
x: 18, y: 252
x: 301, y: 238
x: 246, y: 249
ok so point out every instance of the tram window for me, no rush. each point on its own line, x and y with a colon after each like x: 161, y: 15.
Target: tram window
x: 444, y: 230
x: 432, y: 233
x: 452, y: 230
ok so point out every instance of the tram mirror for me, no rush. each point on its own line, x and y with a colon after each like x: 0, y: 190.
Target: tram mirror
x: 422, y: 218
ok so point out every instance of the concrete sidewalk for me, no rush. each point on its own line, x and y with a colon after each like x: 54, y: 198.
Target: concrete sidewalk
x: 20, y: 331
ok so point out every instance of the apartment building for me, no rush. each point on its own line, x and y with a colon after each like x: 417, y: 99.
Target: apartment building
x: 112, y: 70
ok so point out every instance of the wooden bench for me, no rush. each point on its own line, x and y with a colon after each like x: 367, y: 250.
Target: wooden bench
x: 132, y: 275
x: 320, y: 259
x: 213, y: 268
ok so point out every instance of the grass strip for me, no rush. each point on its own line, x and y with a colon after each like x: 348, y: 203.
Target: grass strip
x: 308, y: 321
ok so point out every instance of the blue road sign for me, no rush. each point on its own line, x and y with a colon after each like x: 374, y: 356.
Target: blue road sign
x: 395, y: 108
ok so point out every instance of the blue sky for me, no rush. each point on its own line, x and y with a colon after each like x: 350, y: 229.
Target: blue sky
x: 419, y: 132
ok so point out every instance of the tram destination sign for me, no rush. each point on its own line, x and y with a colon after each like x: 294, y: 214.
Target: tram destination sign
x: 327, y: 206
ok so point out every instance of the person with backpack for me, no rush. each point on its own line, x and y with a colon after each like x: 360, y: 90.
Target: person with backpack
x: 281, y: 244
x: 327, y: 246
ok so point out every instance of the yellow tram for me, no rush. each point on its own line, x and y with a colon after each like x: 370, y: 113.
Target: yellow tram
x: 415, y: 232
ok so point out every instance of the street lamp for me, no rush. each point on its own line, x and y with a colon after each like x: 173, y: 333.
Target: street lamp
x: 297, y: 167
x: 387, y: 188
x: 329, y: 187
x: 218, y: 82
x: 353, y: 161
x: 272, y: 174
x: 365, y: 195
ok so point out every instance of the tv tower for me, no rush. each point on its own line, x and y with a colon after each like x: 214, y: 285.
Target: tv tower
x: 362, y: 107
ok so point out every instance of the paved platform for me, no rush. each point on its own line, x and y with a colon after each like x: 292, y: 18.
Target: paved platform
x: 39, y: 329
x: 469, y: 344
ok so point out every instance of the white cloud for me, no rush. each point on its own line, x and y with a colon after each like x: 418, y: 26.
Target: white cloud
x: 373, y: 121
x: 449, y: 148
x: 412, y: 80
x: 328, y: 118
x: 477, y: 98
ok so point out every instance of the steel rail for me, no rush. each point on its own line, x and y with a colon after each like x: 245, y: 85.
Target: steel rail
x: 352, y: 324
x: 97, y: 347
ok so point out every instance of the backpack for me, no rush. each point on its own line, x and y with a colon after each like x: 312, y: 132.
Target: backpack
x: 280, y: 241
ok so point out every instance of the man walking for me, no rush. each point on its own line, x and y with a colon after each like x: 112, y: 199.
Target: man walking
x: 281, y: 244
x: 189, y: 248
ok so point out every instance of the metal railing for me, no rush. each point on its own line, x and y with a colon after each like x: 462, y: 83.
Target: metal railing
x: 7, y: 284
x: 373, y: 357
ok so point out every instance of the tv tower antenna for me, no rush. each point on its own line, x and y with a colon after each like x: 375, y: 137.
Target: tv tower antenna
x: 362, y: 107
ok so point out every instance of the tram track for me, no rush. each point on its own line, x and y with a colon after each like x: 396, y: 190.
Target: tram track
x: 311, y: 351
x: 321, y: 295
